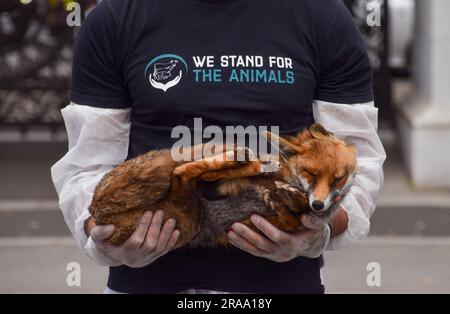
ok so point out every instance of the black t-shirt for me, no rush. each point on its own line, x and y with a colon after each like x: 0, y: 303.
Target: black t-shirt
x: 230, y: 62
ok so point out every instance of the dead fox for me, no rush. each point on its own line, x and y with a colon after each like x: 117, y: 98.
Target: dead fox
x: 315, y: 171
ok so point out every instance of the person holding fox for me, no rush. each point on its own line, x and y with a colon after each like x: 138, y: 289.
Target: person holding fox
x: 125, y: 103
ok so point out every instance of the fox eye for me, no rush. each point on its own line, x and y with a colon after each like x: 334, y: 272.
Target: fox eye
x: 309, y: 173
x: 339, y: 180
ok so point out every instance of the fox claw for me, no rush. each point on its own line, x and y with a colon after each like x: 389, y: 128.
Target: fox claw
x: 267, y: 200
x: 285, y: 186
x: 266, y: 197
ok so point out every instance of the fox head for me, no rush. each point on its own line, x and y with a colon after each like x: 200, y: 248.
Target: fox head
x: 317, y: 163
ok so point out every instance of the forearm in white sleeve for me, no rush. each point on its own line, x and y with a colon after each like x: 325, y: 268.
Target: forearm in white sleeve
x: 98, y: 141
x: 356, y: 124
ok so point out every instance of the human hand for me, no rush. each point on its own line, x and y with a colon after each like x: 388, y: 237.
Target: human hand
x: 279, y: 246
x: 148, y: 242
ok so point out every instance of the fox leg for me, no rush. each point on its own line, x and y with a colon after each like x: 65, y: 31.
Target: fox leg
x: 204, y: 151
x: 195, y: 169
x: 253, y: 168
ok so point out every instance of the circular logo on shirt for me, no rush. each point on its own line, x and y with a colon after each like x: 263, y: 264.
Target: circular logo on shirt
x: 166, y: 71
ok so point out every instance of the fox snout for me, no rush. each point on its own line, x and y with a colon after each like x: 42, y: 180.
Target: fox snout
x: 320, y: 195
x: 323, y: 196
x: 319, y: 206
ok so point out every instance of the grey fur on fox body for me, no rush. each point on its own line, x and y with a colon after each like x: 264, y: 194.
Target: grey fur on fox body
x: 315, y: 171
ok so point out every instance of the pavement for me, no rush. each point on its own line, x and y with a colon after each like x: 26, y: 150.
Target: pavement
x: 406, y: 264
x: 409, y: 241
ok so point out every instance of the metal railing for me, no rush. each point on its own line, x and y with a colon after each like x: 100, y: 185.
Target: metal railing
x: 35, y: 62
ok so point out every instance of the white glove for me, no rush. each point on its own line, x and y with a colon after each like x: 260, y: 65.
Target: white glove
x: 279, y: 246
x: 150, y: 241
x: 320, y: 233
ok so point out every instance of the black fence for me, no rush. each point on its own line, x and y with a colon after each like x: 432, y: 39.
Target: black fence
x: 36, y: 53
x: 35, y: 61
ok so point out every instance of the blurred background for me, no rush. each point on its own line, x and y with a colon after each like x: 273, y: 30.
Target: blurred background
x: 410, y: 236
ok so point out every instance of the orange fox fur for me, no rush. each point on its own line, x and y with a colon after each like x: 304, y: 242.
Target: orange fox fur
x: 313, y: 163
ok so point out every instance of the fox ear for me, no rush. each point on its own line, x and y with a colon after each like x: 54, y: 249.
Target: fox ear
x: 352, y: 147
x: 319, y: 132
x: 284, y: 145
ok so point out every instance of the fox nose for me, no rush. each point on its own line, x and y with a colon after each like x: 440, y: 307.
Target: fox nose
x: 317, y: 205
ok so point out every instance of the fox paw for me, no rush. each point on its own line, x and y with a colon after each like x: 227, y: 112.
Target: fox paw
x: 291, y: 197
x: 286, y: 187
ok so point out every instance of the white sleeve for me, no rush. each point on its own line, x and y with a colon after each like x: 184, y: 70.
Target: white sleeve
x: 356, y: 124
x: 98, y: 141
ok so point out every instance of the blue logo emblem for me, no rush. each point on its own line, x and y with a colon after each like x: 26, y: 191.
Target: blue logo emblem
x: 166, y: 71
